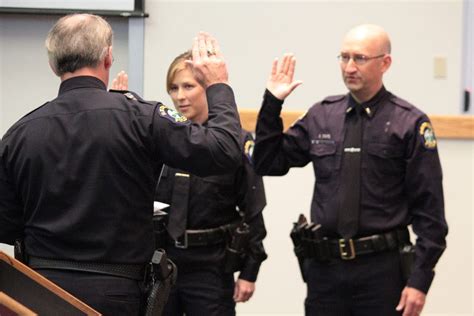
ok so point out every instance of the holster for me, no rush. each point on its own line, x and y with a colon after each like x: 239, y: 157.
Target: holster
x: 236, y: 249
x: 407, y: 254
x: 298, y: 247
x: 160, y: 277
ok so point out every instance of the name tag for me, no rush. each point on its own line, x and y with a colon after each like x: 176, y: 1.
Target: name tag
x: 352, y: 150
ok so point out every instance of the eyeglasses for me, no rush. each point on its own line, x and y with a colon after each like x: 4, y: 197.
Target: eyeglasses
x: 358, y: 59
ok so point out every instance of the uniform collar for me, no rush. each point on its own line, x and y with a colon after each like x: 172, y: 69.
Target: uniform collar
x: 81, y: 82
x: 369, y: 106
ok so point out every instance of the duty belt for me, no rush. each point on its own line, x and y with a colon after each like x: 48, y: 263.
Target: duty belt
x: 324, y: 248
x: 204, y: 237
x: 130, y: 271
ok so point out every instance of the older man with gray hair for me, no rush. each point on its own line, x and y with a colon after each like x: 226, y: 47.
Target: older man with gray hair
x: 77, y: 175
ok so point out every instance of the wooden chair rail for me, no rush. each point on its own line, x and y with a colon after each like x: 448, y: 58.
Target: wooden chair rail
x: 445, y: 126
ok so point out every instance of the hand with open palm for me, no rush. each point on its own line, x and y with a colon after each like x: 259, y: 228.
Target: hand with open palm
x: 281, y: 82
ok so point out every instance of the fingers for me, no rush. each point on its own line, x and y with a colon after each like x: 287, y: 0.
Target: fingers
x: 402, y: 302
x: 217, y: 48
x: 243, y: 290
x: 120, y: 82
x: 202, y: 45
x: 291, y: 68
x: 286, y: 63
x: 295, y: 84
x: 411, y: 302
x: 196, y: 57
x: 274, y: 67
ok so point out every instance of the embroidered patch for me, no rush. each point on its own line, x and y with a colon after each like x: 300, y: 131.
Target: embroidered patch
x: 172, y: 115
x: 427, y: 135
x: 248, y: 149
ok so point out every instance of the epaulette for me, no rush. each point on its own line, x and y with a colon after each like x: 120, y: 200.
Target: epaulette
x: 333, y: 99
x: 132, y: 96
x: 400, y: 102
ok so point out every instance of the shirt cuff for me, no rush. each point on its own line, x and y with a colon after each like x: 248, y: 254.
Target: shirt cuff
x: 421, y: 280
x: 250, y: 270
x: 272, y: 104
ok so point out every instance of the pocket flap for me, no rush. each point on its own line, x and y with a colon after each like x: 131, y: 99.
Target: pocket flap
x: 321, y: 149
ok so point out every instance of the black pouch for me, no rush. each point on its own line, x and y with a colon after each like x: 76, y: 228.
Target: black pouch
x: 236, y: 249
x: 407, y: 260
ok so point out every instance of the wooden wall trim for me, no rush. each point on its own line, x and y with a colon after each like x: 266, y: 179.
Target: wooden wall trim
x: 445, y: 126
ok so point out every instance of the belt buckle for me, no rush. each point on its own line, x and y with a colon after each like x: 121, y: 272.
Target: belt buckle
x: 346, y: 249
x: 182, y: 242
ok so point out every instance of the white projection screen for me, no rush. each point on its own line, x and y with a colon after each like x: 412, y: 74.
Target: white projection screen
x: 30, y: 6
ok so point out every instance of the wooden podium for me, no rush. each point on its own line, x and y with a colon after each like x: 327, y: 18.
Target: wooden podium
x: 24, y: 292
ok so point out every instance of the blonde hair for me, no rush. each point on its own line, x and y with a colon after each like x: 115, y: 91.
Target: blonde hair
x: 177, y: 65
x: 77, y: 41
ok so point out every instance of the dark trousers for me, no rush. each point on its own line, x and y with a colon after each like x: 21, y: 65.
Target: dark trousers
x: 207, y: 291
x: 369, y: 285
x: 108, y: 295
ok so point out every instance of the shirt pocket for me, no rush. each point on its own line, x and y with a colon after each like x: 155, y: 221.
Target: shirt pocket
x: 323, y: 154
x: 217, y: 188
x: 386, y: 159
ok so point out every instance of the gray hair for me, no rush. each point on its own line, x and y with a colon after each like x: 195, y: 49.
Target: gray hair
x: 77, y: 41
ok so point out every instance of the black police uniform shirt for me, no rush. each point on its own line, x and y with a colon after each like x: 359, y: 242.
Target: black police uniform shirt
x: 212, y: 202
x: 77, y: 175
x: 401, y: 179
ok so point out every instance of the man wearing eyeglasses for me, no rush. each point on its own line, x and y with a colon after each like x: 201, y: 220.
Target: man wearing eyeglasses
x: 377, y: 171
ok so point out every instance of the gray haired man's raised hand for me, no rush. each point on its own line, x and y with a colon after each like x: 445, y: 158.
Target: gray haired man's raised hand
x: 208, y: 64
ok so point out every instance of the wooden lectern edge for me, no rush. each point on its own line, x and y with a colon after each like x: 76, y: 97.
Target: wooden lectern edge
x: 38, y: 278
x: 15, y: 306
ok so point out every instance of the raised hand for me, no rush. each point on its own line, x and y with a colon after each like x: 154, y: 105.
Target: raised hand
x: 281, y: 83
x: 208, y: 64
x: 120, y: 82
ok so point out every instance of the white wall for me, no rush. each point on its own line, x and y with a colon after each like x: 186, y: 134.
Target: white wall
x: 26, y: 79
x: 252, y: 33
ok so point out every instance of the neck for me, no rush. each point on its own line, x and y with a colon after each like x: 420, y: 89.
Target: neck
x: 87, y: 71
x: 364, y: 96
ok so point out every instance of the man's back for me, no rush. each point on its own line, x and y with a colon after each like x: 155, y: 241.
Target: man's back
x: 84, y: 172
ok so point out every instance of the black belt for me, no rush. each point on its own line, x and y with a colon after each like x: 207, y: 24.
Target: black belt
x: 325, y: 248
x: 130, y: 271
x: 204, y: 237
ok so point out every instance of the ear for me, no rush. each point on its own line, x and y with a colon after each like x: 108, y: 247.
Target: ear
x: 109, y: 59
x: 387, y: 61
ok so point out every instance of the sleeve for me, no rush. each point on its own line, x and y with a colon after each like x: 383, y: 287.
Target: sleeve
x: 426, y: 204
x: 11, y: 214
x: 198, y: 149
x: 276, y: 152
x: 252, y: 202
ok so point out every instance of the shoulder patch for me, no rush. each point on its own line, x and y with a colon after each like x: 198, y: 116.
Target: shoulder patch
x: 333, y: 98
x: 427, y: 135
x: 171, y: 114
